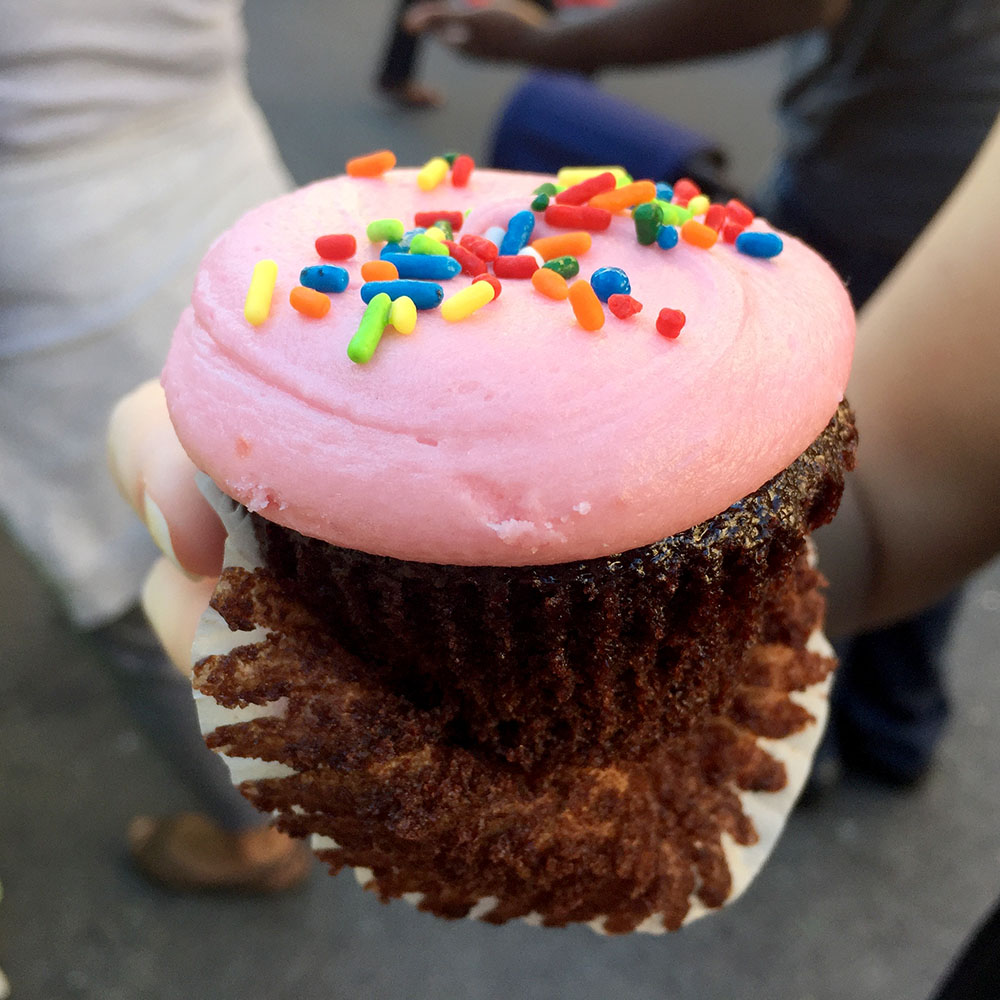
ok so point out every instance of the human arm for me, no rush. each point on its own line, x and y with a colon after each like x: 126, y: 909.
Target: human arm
x: 924, y: 507
x: 645, y: 32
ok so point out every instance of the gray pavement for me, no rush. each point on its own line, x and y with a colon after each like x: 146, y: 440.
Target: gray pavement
x: 868, y: 895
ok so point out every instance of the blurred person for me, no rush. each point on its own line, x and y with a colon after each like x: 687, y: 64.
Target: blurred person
x: 920, y: 513
x: 128, y: 140
x: 884, y: 106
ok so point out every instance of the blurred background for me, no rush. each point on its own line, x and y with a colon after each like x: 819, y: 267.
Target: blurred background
x: 868, y: 895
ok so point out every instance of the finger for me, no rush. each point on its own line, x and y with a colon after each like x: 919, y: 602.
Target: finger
x: 174, y: 603
x: 157, y: 478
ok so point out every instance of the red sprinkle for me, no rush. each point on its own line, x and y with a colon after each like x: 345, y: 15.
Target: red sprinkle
x: 737, y: 212
x: 715, y: 217
x: 578, y: 217
x: 427, y: 219
x: 730, y: 231
x: 520, y: 265
x: 336, y: 246
x: 684, y: 190
x: 483, y: 248
x: 461, y: 170
x: 471, y: 264
x: 579, y: 194
x: 497, y: 287
x: 670, y: 322
x: 623, y: 306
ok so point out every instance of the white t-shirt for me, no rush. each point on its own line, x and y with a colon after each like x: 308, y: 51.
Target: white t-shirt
x: 128, y: 141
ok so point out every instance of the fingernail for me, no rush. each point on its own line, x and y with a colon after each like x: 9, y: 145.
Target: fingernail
x: 156, y: 525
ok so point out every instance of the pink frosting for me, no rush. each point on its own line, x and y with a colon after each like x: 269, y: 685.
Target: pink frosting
x: 515, y: 436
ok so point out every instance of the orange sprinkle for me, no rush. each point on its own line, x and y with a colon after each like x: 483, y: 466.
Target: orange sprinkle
x: 636, y: 193
x: 564, y: 245
x: 698, y: 234
x: 379, y: 270
x: 586, y: 305
x: 372, y: 165
x: 550, y: 283
x: 309, y: 302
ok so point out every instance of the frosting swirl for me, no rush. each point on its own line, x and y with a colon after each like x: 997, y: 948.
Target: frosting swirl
x: 515, y: 436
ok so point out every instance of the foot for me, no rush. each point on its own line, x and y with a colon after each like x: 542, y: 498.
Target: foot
x: 189, y: 852
x: 413, y: 96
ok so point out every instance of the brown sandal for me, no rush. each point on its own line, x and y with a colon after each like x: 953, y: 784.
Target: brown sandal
x: 189, y: 852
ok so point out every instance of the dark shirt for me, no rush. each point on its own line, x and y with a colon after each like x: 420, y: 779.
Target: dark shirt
x: 885, y: 113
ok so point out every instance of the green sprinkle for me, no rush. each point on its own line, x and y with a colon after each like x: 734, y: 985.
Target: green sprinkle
x: 540, y: 203
x: 445, y: 226
x: 648, y: 218
x: 450, y: 158
x: 674, y: 215
x: 386, y: 230
x: 370, y: 329
x: 547, y: 188
x: 422, y: 243
x: 669, y: 212
x: 568, y: 267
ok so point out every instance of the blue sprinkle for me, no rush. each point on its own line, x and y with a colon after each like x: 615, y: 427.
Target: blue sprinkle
x: 425, y: 294
x: 324, y: 278
x: 518, y: 233
x: 424, y: 265
x: 608, y: 281
x: 667, y: 237
x: 664, y: 192
x: 390, y: 248
x: 763, y: 245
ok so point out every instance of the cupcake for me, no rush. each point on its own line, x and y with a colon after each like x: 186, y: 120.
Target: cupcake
x: 519, y: 618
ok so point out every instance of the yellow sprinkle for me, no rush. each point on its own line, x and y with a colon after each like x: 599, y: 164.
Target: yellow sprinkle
x: 568, y: 176
x: 403, y: 315
x: 432, y: 173
x: 258, y: 303
x: 699, y: 204
x: 435, y: 234
x: 467, y: 301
